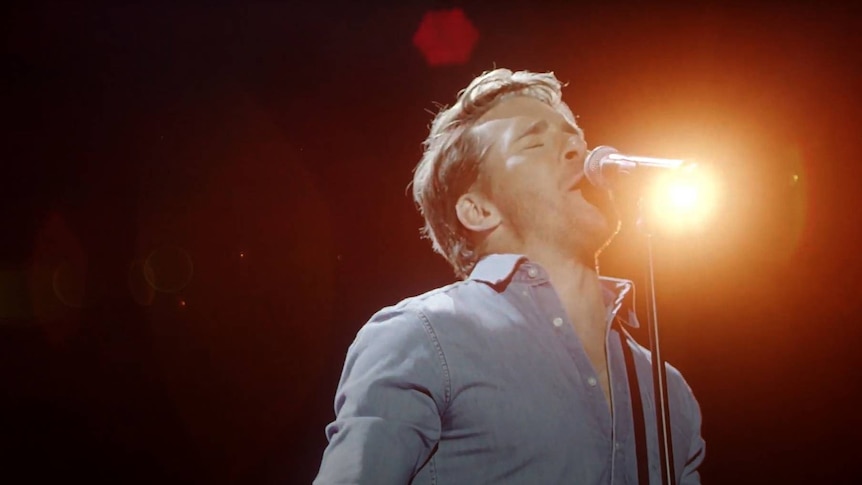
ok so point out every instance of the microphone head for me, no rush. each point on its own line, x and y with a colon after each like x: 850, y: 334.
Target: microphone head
x: 593, y: 165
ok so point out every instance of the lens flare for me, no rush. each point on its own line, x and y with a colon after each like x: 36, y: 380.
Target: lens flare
x: 142, y: 292
x: 168, y: 269
x: 683, y: 200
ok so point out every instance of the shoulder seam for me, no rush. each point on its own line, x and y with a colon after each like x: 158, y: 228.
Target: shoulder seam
x: 429, y: 330
x: 414, y: 300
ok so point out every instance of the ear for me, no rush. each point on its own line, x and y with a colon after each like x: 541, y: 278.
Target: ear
x: 477, y: 213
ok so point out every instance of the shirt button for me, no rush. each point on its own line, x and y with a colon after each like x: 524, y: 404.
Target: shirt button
x: 592, y: 381
x: 617, y: 445
x: 558, y: 322
x: 532, y: 272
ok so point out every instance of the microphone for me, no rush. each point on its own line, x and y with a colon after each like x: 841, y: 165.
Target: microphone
x: 604, y: 165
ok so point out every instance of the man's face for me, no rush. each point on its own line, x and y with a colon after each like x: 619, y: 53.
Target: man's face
x: 533, y: 173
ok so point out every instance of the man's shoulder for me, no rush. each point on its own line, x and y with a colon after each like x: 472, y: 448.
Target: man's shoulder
x: 439, y: 301
x: 414, y: 321
x: 447, y: 304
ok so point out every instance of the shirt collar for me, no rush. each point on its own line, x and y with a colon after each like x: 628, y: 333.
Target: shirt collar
x: 619, y: 295
x: 498, y: 270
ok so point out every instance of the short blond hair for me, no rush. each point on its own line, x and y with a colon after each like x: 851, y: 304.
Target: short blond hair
x: 452, y: 154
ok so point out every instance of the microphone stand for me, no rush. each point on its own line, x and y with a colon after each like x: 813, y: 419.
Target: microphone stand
x: 659, y: 372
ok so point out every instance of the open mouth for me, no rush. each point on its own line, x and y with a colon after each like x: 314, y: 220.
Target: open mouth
x: 578, y: 182
x: 595, y: 196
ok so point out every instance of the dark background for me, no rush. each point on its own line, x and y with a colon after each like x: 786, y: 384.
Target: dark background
x: 251, y: 163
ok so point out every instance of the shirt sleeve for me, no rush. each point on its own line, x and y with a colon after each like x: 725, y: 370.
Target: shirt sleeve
x: 696, y: 445
x: 388, y: 403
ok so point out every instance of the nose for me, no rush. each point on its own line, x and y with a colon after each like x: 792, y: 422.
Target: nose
x: 575, y: 149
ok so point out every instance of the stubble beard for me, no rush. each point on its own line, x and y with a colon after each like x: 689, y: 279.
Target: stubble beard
x: 579, y: 234
x: 599, y: 235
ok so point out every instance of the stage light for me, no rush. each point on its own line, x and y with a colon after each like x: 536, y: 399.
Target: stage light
x: 683, y: 200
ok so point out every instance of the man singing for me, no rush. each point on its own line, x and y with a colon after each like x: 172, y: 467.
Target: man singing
x: 518, y: 373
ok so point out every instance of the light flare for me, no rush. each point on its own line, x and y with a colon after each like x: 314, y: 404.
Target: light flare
x: 684, y: 200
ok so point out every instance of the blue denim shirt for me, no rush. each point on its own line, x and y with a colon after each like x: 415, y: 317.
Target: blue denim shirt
x: 486, y: 381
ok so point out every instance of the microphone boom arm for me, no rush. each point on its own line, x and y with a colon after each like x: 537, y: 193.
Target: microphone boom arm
x: 631, y: 161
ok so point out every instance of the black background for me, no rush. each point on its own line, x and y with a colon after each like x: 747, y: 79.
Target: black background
x: 263, y: 150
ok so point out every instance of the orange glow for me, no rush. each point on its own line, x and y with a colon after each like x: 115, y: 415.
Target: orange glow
x: 684, y: 200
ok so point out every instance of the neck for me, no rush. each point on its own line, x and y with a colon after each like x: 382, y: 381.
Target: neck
x: 574, y: 276
x: 579, y: 289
